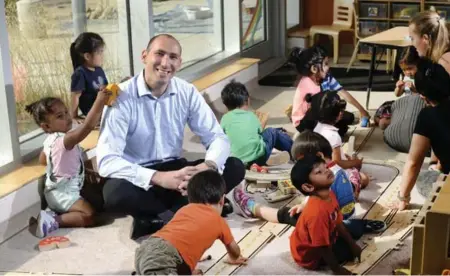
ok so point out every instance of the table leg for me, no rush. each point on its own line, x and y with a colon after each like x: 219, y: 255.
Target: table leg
x: 372, y: 67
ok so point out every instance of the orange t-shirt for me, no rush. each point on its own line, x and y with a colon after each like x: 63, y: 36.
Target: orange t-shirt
x: 316, y: 227
x: 193, y: 230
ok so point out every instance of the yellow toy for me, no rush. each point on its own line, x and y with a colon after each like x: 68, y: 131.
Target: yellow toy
x: 115, y: 90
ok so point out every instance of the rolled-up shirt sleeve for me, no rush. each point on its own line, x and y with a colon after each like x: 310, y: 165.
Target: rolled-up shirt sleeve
x: 203, y: 123
x: 111, y: 145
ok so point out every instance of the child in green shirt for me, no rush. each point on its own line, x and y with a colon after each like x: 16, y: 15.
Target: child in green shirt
x: 249, y: 142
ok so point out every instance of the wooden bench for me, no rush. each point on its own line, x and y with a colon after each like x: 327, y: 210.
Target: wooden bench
x: 32, y: 170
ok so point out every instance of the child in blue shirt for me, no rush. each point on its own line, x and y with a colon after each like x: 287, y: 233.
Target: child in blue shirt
x: 88, y: 77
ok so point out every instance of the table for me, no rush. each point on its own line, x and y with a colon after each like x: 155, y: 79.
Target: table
x: 396, y: 38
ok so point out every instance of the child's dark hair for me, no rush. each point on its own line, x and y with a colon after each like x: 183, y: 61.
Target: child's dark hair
x: 301, y: 170
x: 310, y: 142
x: 206, y: 187
x: 410, y: 56
x: 42, y: 108
x: 234, y: 95
x: 326, y: 106
x: 304, y: 59
x: 86, y: 42
x: 432, y: 81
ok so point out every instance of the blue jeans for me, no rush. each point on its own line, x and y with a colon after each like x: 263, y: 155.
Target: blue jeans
x: 274, y: 138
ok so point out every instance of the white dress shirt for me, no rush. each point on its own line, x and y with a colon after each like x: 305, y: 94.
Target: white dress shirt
x: 141, y: 130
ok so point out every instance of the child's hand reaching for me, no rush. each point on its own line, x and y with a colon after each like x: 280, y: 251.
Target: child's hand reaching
x: 239, y: 261
x: 357, y: 161
x: 296, y: 209
x: 103, y: 95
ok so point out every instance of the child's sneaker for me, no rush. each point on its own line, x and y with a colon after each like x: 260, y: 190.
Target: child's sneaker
x: 46, y: 223
x: 279, y: 158
x: 243, y: 203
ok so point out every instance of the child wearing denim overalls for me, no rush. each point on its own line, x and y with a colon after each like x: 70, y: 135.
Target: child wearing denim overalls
x: 63, y: 157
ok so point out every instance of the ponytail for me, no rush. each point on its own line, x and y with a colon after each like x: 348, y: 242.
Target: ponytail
x: 440, y: 45
x: 75, y: 57
x: 31, y: 108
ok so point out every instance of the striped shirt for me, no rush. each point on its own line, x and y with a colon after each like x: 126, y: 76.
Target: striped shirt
x: 330, y: 84
x: 398, y: 134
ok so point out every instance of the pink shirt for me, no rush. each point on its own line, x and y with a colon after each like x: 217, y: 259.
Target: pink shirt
x: 66, y: 163
x: 300, y: 106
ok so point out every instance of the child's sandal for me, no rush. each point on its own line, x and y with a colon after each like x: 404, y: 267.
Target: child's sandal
x: 259, y: 169
x: 375, y: 226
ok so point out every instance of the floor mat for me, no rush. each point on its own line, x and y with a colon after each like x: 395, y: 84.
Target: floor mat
x: 275, y: 257
x: 355, y: 79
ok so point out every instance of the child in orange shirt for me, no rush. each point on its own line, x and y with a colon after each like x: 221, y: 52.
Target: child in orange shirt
x: 178, y: 246
x: 320, y: 236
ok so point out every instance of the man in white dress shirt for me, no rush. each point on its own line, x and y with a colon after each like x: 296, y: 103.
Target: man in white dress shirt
x: 140, y: 144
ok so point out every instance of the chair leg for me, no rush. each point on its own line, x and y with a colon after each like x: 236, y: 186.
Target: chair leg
x: 336, y: 48
x: 352, y: 60
x: 388, y: 59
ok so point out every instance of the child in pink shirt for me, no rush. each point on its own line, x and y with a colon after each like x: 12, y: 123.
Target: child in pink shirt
x: 63, y: 157
x: 313, y: 68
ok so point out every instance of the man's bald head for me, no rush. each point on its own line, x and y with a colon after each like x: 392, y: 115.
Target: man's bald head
x: 153, y: 39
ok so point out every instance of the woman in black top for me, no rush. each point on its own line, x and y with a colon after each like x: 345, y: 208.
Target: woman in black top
x: 432, y: 128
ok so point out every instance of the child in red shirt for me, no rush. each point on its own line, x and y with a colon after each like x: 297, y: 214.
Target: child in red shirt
x: 320, y: 235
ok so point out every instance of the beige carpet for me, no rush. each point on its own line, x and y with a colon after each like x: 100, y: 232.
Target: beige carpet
x: 108, y: 250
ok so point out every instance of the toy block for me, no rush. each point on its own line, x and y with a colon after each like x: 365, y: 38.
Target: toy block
x: 286, y: 187
x: 115, y: 91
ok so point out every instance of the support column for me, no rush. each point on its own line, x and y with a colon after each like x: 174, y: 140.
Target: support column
x: 79, y: 17
x: 142, y: 29
x: 125, y: 53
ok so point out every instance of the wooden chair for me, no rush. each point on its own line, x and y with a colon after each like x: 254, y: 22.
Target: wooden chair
x: 342, y: 22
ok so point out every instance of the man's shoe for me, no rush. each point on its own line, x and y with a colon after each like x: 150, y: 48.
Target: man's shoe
x: 227, y: 208
x: 144, y: 227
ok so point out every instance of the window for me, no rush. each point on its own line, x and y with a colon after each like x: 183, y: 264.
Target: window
x: 35, y: 39
x: 40, y: 34
x: 196, y: 24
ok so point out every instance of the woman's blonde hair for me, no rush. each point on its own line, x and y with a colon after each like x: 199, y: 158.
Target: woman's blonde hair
x: 431, y: 24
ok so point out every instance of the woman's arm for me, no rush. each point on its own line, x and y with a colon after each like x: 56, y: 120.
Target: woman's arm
x: 419, y: 147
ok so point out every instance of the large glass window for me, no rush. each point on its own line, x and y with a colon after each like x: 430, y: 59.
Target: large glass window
x: 40, y: 33
x: 197, y: 24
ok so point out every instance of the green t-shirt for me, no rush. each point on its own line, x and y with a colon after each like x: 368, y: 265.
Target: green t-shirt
x: 244, y: 131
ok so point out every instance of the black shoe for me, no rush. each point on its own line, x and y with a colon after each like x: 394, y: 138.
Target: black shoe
x: 227, y: 208
x: 143, y: 227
